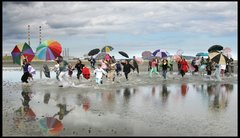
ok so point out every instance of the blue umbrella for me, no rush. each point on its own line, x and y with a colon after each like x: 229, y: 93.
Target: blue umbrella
x: 201, y: 54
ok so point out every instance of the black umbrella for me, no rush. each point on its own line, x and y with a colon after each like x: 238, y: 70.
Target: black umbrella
x: 94, y: 52
x: 215, y: 48
x: 123, y: 54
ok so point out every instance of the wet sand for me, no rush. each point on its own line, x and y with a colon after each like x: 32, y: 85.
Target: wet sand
x: 118, y: 112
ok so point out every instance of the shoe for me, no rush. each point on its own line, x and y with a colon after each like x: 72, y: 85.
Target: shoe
x: 60, y: 86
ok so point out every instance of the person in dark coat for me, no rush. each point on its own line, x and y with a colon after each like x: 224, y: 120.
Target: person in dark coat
x: 26, y: 73
x: 79, y: 66
x: 127, y: 68
x: 135, y: 64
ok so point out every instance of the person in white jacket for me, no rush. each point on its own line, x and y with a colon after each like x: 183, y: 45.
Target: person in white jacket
x: 99, y: 73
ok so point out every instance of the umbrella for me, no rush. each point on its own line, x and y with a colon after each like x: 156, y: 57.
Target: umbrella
x: 215, y: 48
x: 107, y: 49
x: 123, y: 54
x: 49, y: 50
x: 146, y: 54
x: 176, y: 58
x: 22, y: 51
x: 201, y: 54
x: 160, y: 53
x: 179, y: 52
x: 50, y: 125
x: 139, y: 60
x: 94, y: 52
x: 227, y: 50
x: 101, y: 55
x: 219, y: 58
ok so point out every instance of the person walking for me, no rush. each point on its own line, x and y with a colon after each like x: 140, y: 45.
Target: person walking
x: 135, y: 64
x: 127, y: 68
x: 164, y: 66
x: 99, y: 74
x: 26, y: 74
x: 79, y: 66
x: 63, y: 70
x: 184, y: 67
x: 154, y: 67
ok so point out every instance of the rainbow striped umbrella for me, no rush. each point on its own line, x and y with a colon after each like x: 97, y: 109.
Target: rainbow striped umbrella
x: 21, y: 51
x: 49, y: 50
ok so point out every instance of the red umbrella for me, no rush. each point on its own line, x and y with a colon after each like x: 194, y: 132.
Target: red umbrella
x: 50, y: 125
x: 49, y: 50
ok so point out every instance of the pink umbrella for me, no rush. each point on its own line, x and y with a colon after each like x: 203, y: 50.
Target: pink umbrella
x: 139, y: 60
x: 227, y: 50
x: 176, y: 58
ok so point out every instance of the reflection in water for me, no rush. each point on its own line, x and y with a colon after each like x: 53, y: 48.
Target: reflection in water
x: 219, y: 95
x: 25, y: 112
x: 62, y: 111
x: 184, y: 89
x: 131, y: 102
x: 46, y: 98
x: 85, y: 104
x: 50, y: 125
x: 164, y: 93
x: 153, y: 90
x: 126, y: 94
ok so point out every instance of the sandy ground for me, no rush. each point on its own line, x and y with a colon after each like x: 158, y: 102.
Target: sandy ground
x: 12, y: 91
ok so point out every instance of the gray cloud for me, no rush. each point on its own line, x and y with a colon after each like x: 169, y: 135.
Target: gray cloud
x: 94, y: 19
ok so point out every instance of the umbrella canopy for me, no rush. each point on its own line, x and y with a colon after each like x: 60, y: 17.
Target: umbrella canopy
x: 227, y: 52
x: 50, y: 125
x: 101, y: 55
x: 180, y: 52
x: 201, y: 54
x: 219, y: 58
x: 176, y: 58
x: 146, y: 54
x: 94, y: 52
x: 107, y: 49
x: 49, y: 50
x: 123, y: 54
x: 139, y: 60
x: 160, y: 53
x: 215, y: 48
x: 21, y: 51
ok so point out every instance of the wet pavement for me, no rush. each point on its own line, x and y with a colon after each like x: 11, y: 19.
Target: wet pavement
x: 163, y: 108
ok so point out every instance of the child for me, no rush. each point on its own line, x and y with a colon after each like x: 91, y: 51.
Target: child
x: 99, y: 73
x: 154, y: 68
x: 118, y: 68
x: 70, y: 70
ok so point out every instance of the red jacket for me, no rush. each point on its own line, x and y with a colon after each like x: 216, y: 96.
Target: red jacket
x: 184, y: 65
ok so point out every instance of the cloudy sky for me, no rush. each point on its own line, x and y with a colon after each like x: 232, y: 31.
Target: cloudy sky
x: 132, y: 27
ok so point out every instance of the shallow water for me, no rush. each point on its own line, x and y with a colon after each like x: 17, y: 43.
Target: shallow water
x: 164, y: 108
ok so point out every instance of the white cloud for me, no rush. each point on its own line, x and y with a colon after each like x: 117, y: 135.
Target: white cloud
x: 63, y: 19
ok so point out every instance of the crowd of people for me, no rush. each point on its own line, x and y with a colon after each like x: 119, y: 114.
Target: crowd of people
x: 111, y: 68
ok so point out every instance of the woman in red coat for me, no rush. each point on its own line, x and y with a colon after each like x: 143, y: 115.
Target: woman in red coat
x: 184, y: 67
